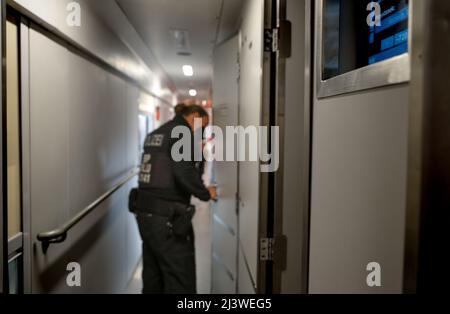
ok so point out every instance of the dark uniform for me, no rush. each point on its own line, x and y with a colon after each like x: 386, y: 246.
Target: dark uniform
x: 164, y: 214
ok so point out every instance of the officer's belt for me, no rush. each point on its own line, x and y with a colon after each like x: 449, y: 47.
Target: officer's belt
x: 148, y: 204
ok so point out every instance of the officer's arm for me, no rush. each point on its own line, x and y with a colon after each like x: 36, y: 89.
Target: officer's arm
x: 188, y: 179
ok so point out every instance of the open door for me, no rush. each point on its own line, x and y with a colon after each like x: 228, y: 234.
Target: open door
x: 359, y: 148
x: 243, y: 81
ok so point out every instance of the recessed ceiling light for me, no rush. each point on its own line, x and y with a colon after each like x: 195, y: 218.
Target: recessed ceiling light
x: 188, y: 70
x: 193, y: 92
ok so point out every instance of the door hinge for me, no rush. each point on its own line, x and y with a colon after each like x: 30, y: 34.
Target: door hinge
x: 279, y: 39
x: 275, y: 250
x: 271, y: 40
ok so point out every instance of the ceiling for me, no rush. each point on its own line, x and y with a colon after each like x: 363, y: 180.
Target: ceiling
x: 207, y: 22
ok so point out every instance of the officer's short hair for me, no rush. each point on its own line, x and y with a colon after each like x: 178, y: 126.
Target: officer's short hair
x: 179, y: 109
x: 192, y: 109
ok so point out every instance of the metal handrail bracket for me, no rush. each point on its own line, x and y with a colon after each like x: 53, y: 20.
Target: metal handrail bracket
x: 59, y: 235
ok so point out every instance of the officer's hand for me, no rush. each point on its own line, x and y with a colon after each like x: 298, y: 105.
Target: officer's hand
x: 213, y: 192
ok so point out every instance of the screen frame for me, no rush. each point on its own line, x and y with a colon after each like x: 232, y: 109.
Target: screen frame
x: 392, y: 71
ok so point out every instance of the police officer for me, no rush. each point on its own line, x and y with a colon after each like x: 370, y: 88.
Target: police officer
x: 163, y: 210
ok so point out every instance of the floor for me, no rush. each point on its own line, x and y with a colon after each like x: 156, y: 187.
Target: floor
x: 203, y: 246
x: 202, y: 228
x: 135, y: 285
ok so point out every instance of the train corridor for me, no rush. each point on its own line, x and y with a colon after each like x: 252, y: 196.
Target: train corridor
x: 327, y: 142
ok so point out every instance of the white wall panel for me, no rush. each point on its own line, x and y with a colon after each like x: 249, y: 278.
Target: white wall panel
x: 83, y: 142
x: 132, y: 247
x: 225, y: 247
x: 99, y: 34
x: 49, y: 118
x: 359, y: 190
x: 250, y: 103
x: 132, y: 136
x: 221, y: 281
x: 87, y: 110
x: 226, y: 113
x: 245, y: 284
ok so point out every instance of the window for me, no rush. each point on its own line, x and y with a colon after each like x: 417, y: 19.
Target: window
x: 13, y: 131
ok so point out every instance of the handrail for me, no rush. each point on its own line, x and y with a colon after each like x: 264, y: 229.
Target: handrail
x: 59, y: 235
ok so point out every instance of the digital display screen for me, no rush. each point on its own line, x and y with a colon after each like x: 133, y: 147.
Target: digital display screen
x: 390, y: 38
x: 353, y: 38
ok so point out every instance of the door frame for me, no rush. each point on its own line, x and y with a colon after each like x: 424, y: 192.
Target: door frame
x: 264, y: 280
x: 428, y: 170
x: 291, y: 261
x: 272, y: 209
x: 19, y: 245
x: 3, y: 212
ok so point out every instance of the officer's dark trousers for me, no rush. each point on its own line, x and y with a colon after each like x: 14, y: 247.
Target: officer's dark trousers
x: 169, y: 261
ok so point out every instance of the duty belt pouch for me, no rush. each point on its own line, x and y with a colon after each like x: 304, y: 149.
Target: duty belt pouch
x: 133, y: 201
x: 182, y: 221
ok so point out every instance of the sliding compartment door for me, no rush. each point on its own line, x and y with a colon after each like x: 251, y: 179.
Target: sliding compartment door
x: 225, y: 227
x: 250, y: 114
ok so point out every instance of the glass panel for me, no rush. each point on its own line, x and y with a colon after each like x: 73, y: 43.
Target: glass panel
x: 14, y: 271
x: 13, y: 131
x: 353, y: 39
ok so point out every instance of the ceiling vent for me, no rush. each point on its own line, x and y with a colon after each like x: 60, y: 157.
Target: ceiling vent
x: 182, y: 42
